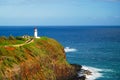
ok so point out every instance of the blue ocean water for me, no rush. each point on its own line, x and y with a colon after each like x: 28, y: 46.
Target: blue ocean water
x: 97, y: 47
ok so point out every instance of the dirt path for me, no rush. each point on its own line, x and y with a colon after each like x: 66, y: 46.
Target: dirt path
x: 27, y: 42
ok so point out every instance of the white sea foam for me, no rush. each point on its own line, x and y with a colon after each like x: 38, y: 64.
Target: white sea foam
x: 68, y: 49
x: 108, y: 70
x: 95, y: 73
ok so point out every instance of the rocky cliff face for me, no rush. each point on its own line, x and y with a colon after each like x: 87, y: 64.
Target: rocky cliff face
x: 43, y: 59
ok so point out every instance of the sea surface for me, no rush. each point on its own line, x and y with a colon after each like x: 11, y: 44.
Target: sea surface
x: 96, y: 48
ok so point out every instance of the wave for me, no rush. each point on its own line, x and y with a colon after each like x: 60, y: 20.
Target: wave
x: 108, y: 70
x: 68, y: 49
x: 96, y: 72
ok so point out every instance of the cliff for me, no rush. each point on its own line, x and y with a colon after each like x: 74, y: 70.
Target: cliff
x: 42, y: 59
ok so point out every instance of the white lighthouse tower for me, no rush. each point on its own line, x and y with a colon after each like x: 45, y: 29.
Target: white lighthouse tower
x: 35, y: 33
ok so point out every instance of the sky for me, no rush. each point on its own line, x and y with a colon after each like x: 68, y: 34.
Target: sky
x: 59, y: 12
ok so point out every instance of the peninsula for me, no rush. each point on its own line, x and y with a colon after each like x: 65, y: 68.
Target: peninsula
x: 35, y: 58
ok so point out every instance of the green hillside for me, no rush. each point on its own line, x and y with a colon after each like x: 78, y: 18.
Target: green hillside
x: 42, y: 59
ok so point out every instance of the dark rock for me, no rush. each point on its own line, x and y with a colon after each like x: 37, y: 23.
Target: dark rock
x: 77, y: 67
x: 78, y: 78
x: 77, y: 70
x: 87, y: 72
x: 82, y: 78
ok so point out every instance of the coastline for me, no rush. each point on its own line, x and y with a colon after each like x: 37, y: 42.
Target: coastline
x: 95, y: 72
x: 86, y: 72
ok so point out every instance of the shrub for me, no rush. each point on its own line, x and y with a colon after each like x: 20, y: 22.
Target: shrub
x: 20, y: 38
x: 9, y: 61
x: 3, y: 38
x: 11, y: 37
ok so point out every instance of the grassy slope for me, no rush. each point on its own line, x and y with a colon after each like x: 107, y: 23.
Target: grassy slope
x: 10, y: 42
x: 44, y: 59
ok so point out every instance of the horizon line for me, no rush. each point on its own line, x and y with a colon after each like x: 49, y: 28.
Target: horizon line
x: 61, y: 26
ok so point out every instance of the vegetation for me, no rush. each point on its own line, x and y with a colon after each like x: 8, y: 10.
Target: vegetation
x: 43, y: 59
x: 11, y: 40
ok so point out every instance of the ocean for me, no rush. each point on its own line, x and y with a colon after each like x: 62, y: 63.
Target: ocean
x: 96, y: 48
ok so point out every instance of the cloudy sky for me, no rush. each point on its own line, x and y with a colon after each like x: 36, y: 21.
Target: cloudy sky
x: 59, y: 12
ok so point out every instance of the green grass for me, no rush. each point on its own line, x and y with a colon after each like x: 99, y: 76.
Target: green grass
x: 44, y: 38
x: 19, y: 41
x: 11, y: 40
x: 3, y: 43
x: 9, y: 61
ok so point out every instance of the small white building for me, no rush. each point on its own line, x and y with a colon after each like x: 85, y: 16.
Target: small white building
x: 25, y: 36
x: 36, y: 33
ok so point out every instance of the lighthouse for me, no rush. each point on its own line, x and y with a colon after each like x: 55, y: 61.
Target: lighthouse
x: 35, y: 33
